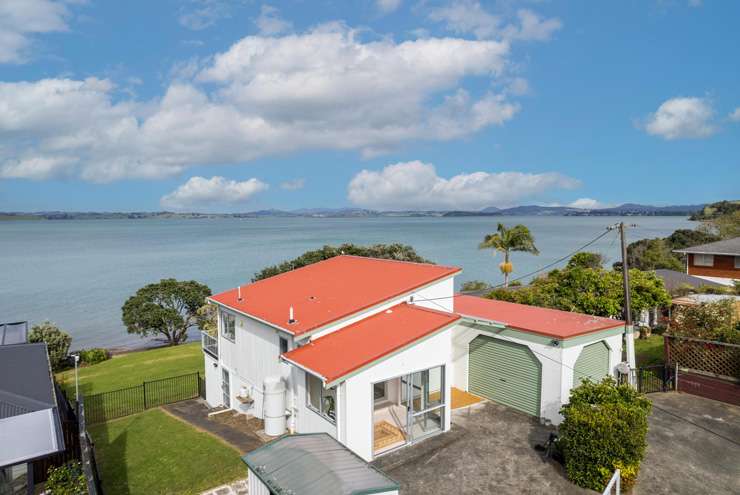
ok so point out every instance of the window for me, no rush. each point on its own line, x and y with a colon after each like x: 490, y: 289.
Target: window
x: 228, y: 326
x: 319, y: 399
x: 737, y: 261
x: 703, y: 260
x: 283, y: 345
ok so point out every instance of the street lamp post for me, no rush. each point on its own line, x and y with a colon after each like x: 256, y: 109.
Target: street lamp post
x: 77, y: 379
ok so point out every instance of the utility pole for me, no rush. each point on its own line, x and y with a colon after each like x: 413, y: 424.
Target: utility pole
x: 629, y: 329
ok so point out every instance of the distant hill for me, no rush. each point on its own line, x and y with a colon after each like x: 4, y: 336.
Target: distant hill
x: 714, y: 210
x: 698, y: 211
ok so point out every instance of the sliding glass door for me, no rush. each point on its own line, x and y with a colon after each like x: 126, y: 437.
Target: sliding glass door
x: 426, y: 391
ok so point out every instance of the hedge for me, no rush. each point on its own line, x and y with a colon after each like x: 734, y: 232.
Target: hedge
x: 604, y: 429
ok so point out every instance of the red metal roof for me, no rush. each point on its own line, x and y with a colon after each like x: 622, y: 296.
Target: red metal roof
x: 346, y: 350
x: 543, y: 321
x: 330, y: 290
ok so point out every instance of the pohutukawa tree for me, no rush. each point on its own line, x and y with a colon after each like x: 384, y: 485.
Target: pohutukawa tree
x: 505, y: 240
x: 168, y: 308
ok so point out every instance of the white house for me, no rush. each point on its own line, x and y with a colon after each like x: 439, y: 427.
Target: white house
x: 370, y: 350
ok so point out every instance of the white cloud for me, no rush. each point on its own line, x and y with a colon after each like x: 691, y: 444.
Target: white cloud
x: 469, y: 17
x: 682, y: 118
x: 323, y: 89
x: 587, y: 204
x: 202, y: 14
x: 270, y: 23
x: 199, y: 191
x: 735, y: 115
x: 416, y: 185
x: 388, y: 6
x: 20, y: 20
x: 293, y: 185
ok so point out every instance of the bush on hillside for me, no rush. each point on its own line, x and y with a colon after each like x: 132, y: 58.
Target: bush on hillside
x: 94, y: 356
x: 604, y: 429
x: 57, y: 342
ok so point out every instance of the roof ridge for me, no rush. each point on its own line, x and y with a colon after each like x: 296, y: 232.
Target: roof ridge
x: 449, y: 267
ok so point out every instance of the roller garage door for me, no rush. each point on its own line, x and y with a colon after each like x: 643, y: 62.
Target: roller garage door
x: 593, y: 363
x: 505, y: 372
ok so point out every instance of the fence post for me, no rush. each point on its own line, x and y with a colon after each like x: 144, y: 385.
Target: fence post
x: 198, y: 378
x: 144, y: 389
x: 675, y: 378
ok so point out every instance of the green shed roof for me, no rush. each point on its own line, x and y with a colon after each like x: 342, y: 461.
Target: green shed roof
x: 315, y: 464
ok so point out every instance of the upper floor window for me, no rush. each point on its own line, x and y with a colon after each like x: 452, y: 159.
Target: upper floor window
x: 228, y: 326
x: 283, y: 345
x: 320, y: 399
x: 703, y: 260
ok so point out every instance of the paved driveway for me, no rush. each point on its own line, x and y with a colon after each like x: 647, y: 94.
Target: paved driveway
x: 490, y: 450
x: 693, y: 447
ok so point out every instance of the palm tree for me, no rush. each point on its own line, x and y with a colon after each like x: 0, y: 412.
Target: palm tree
x: 505, y: 240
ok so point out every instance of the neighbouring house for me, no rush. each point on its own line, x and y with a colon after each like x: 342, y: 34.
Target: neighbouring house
x: 30, y: 424
x: 375, y: 352
x: 717, y: 261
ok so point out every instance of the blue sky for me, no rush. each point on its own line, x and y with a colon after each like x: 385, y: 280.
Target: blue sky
x: 210, y: 105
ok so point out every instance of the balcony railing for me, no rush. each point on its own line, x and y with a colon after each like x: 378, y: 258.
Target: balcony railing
x: 210, y: 344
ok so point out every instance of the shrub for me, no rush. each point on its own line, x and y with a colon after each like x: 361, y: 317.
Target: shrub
x: 57, y: 342
x: 67, y: 479
x: 708, y: 321
x: 94, y: 355
x: 604, y: 429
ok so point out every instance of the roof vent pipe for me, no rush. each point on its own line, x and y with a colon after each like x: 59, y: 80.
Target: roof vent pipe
x: 291, y: 320
x: 239, y: 293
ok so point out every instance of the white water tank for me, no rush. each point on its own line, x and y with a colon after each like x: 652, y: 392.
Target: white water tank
x: 274, y: 406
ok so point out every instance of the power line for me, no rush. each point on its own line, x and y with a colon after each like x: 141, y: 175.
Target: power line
x: 541, y: 269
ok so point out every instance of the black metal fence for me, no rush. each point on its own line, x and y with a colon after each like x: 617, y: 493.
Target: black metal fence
x: 87, y: 455
x: 656, y: 378
x: 131, y: 400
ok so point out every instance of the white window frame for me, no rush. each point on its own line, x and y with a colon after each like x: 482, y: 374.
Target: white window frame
x: 320, y: 411
x: 232, y: 336
x: 701, y: 259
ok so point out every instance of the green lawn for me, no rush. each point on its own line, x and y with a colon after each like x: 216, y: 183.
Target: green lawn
x: 131, y: 369
x: 649, y: 351
x: 154, y: 453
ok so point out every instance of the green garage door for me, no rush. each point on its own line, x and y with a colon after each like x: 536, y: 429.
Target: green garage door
x: 593, y: 363
x: 505, y: 372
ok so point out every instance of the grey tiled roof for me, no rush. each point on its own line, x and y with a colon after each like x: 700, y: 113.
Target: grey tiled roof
x: 729, y: 247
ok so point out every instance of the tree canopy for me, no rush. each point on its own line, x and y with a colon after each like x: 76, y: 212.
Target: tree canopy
x: 593, y: 291
x: 399, y: 252
x: 57, y: 342
x: 586, y: 260
x: 505, y: 240
x: 168, y: 308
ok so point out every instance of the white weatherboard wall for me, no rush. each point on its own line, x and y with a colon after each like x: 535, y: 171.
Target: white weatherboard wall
x: 358, y: 408
x: 214, y: 397
x: 306, y: 419
x: 256, y: 487
x: 557, y: 362
x: 252, y: 357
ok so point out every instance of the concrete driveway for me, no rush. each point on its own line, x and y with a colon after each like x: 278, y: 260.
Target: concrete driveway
x: 693, y: 448
x: 490, y: 449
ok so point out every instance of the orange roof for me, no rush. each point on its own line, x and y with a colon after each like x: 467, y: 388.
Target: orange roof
x: 346, y: 350
x: 543, y: 321
x: 330, y: 290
